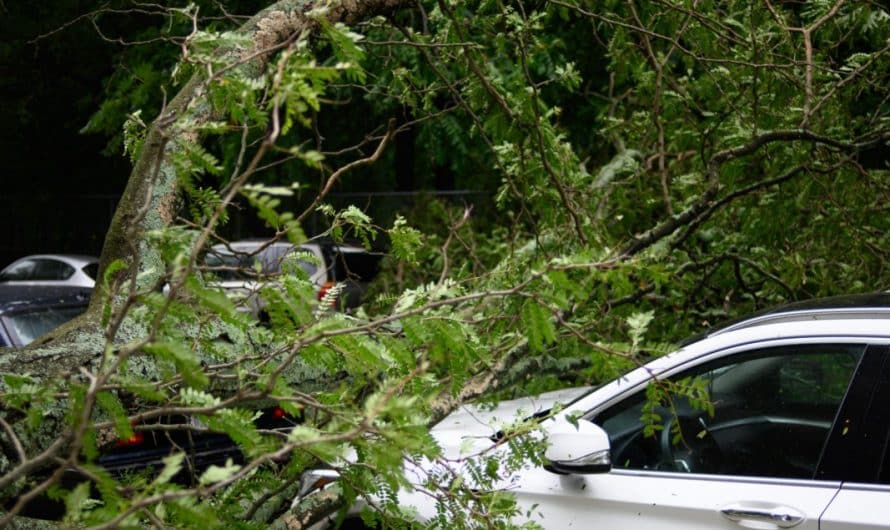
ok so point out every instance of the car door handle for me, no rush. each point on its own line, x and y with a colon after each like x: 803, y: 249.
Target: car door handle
x: 781, y: 516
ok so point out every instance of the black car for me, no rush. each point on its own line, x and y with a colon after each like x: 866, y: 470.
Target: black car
x: 29, y: 311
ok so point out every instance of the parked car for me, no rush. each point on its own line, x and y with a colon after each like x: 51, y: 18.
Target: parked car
x: 52, y: 269
x: 794, y: 432
x: 29, y: 311
x: 242, y: 267
x: 143, y: 454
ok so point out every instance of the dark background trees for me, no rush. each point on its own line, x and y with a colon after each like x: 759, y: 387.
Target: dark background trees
x: 52, y: 173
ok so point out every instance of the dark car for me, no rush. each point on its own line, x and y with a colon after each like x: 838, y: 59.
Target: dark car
x: 29, y: 311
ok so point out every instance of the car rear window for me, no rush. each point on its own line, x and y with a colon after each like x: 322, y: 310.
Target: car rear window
x: 27, y: 326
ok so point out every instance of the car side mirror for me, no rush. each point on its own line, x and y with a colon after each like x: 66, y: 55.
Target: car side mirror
x: 579, y: 447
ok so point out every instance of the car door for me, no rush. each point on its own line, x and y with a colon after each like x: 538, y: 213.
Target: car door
x: 858, y: 451
x: 746, y: 456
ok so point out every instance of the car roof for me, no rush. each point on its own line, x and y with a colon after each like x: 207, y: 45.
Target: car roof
x: 77, y: 260
x: 861, y: 319
x: 856, y: 306
x: 25, y: 297
x: 251, y: 245
x: 853, y: 306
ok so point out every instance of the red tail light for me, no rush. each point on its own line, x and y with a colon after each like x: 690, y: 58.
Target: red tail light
x: 324, y: 290
x: 279, y: 413
x: 132, y: 441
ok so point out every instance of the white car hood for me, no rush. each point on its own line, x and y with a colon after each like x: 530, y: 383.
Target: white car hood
x: 468, y: 429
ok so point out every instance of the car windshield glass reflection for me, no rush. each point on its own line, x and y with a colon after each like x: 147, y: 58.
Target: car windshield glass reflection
x: 772, y: 412
x: 231, y: 267
x: 28, y: 326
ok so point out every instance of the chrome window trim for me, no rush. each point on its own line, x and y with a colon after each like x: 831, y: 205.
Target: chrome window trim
x: 807, y: 314
x: 771, y: 342
x: 735, y: 479
x: 864, y: 486
x: 765, y: 418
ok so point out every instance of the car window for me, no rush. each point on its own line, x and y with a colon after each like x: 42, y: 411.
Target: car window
x: 91, y: 270
x: 50, y: 269
x: 263, y: 265
x: 20, y: 271
x: 356, y: 265
x: 227, y: 266
x: 762, y: 413
x: 857, y: 449
x: 271, y: 259
x: 27, y: 326
x: 304, y: 259
x: 38, y: 270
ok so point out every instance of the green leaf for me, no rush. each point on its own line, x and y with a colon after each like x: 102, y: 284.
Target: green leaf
x: 172, y: 465
x: 113, y: 268
x: 77, y: 500
x: 638, y: 323
x: 216, y: 473
x: 239, y: 425
x: 216, y: 301
x: 539, y: 328
x: 112, y: 406
x: 185, y: 360
x: 405, y: 241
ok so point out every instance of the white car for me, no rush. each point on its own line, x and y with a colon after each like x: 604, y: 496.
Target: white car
x: 798, y: 436
x: 52, y: 269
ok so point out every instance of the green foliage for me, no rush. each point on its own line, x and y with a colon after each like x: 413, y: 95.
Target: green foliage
x: 112, y: 406
x: 344, y: 45
x: 539, y: 327
x: 349, y: 222
x: 134, y: 135
x: 185, y: 361
x: 404, y: 240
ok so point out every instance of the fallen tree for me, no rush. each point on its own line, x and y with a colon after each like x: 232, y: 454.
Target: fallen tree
x: 700, y: 143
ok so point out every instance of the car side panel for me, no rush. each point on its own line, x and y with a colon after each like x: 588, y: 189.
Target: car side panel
x: 622, y: 499
x: 859, y: 507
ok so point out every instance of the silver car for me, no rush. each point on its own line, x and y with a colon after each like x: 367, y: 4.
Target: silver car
x: 242, y: 267
x: 52, y: 269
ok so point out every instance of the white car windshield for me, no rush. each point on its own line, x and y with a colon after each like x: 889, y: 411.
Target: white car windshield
x: 229, y: 267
